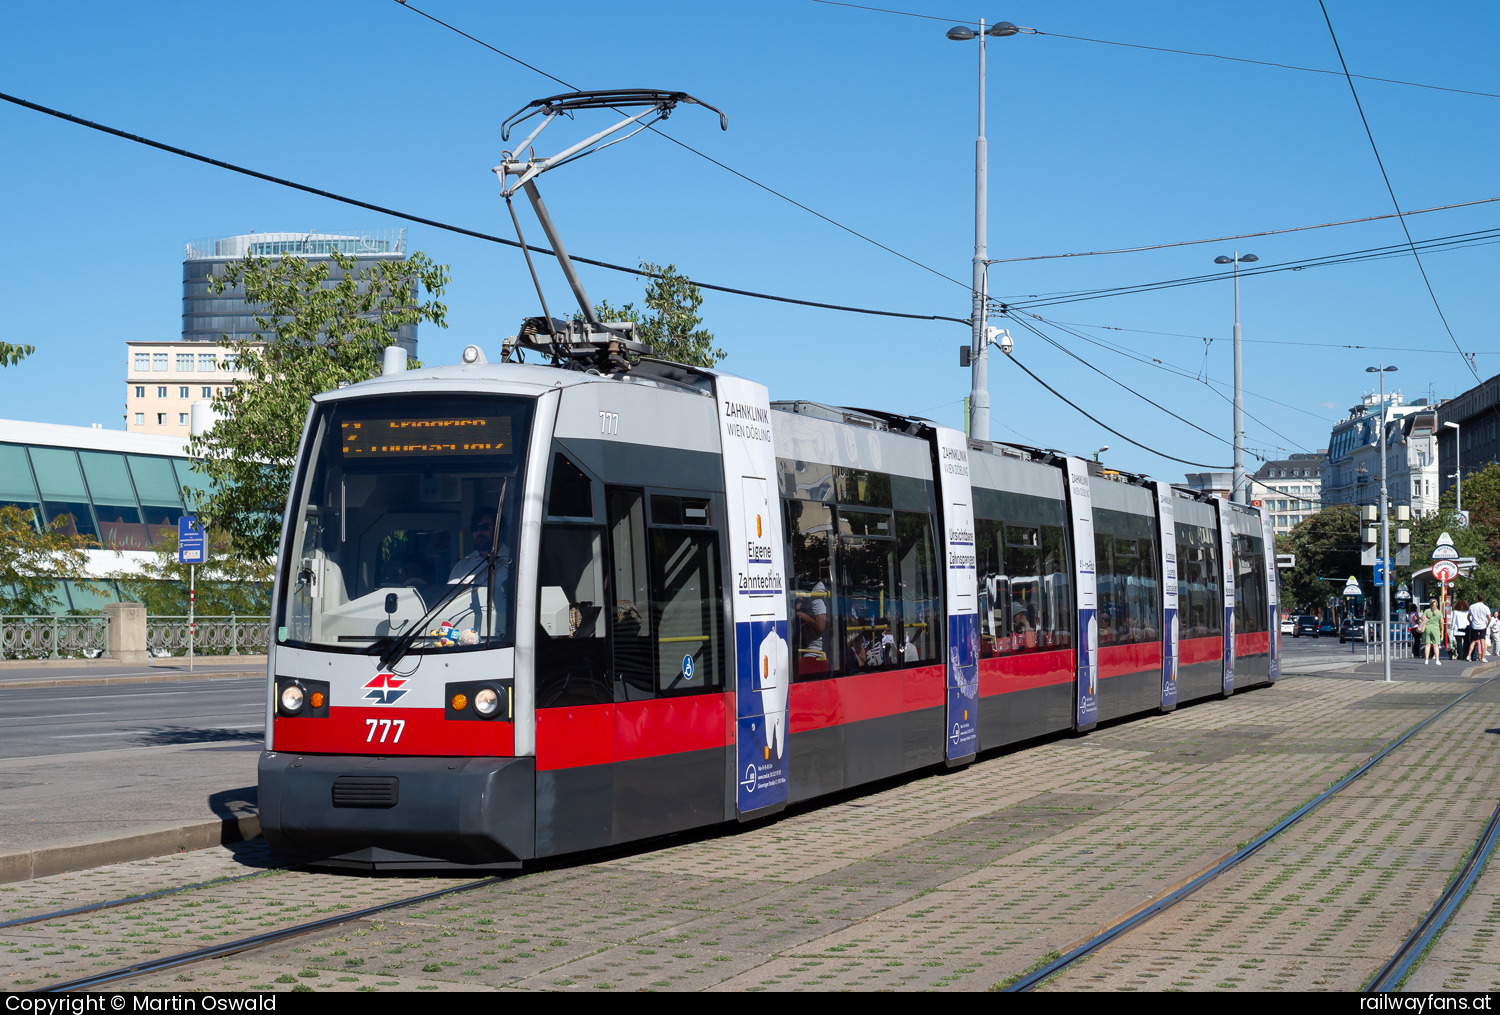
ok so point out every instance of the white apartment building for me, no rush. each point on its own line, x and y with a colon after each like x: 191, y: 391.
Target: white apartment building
x: 1289, y: 489
x: 1352, y: 474
x: 164, y: 379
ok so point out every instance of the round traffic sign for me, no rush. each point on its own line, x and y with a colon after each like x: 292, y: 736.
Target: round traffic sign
x: 1444, y: 570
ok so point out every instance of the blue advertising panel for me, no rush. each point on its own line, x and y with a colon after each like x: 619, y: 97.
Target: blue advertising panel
x: 1081, y: 513
x: 190, y: 541
x: 962, y: 594
x: 762, y: 672
x: 1273, y: 594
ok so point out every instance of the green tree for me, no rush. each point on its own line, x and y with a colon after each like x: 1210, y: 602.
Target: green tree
x: 33, y: 561
x: 11, y: 354
x: 227, y: 582
x: 672, y: 328
x: 1479, y: 539
x: 1326, y: 545
x: 324, y: 333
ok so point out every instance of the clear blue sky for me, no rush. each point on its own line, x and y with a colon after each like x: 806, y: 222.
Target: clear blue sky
x: 868, y: 118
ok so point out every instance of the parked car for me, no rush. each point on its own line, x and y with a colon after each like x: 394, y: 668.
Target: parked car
x: 1351, y: 630
x: 1288, y: 624
x: 1305, y: 625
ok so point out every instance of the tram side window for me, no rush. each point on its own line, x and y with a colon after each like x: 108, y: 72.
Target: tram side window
x: 994, y: 589
x: 631, y: 610
x: 921, y: 611
x: 1250, y: 611
x: 1023, y: 551
x: 809, y: 525
x: 572, y: 494
x: 1200, y: 605
x: 572, y: 658
x: 1058, y: 615
x: 687, y: 610
x: 1129, y: 603
x: 866, y: 587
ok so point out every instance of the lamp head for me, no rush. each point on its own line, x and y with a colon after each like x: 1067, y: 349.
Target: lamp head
x: 962, y: 33
x: 1247, y: 258
x: 1001, y: 29
x: 1221, y: 259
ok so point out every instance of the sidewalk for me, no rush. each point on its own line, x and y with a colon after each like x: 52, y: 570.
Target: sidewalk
x: 31, y: 673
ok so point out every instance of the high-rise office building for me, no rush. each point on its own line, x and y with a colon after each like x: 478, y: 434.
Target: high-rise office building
x: 208, y: 316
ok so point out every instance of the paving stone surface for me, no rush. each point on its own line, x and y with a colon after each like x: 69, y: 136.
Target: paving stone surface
x: 960, y: 880
x: 1325, y: 905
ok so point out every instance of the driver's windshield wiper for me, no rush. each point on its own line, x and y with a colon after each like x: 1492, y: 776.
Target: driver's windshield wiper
x: 402, y: 645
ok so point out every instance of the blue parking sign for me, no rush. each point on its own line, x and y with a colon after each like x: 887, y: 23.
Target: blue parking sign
x: 190, y: 541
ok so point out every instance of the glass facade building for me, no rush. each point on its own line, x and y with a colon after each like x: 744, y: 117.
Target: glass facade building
x: 208, y: 316
x: 121, y: 490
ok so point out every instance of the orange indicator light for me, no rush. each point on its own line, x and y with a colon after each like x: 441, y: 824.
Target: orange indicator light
x: 460, y: 702
x: 317, y: 699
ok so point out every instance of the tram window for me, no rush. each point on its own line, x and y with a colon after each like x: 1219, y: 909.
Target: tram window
x: 1058, y: 615
x: 920, y: 614
x: 994, y: 589
x: 687, y: 610
x: 1200, y: 605
x: 1128, y: 597
x: 865, y: 523
x: 866, y: 598
x: 860, y: 486
x: 632, y: 613
x: 1023, y: 560
x: 572, y: 653
x: 808, y: 526
x: 679, y: 510
x: 572, y: 493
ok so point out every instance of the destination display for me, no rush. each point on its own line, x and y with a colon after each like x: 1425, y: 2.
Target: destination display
x: 400, y: 438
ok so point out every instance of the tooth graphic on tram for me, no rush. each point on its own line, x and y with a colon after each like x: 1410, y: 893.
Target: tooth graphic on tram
x: 632, y: 597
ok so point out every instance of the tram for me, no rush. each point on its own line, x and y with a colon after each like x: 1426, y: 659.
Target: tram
x: 528, y: 609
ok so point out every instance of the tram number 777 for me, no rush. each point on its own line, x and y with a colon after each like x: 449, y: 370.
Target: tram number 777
x: 385, y: 726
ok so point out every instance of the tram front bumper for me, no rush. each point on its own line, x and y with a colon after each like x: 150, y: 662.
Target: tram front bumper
x: 396, y: 812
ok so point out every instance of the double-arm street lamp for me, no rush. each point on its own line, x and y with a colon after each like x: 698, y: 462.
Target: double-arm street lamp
x: 1241, y: 493
x: 979, y: 391
x: 1458, y: 465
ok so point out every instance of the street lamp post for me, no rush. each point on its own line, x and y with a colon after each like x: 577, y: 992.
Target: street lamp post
x: 1458, y: 463
x: 979, y: 390
x: 1240, y: 494
x: 1385, y: 533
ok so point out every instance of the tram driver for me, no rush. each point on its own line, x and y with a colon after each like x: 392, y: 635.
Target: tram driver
x: 481, y: 537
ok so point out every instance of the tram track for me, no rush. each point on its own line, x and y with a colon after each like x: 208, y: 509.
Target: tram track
x: 1407, y: 955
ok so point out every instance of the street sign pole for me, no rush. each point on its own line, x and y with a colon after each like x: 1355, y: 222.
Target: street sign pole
x: 192, y: 550
x: 192, y: 604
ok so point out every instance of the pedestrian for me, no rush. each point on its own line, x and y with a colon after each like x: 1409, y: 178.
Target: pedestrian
x: 1414, y: 626
x: 1479, y: 628
x: 1494, y: 631
x: 1458, y: 628
x: 1432, y: 633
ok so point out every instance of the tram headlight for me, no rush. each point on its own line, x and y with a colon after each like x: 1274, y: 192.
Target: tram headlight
x: 292, y: 699
x: 486, y: 702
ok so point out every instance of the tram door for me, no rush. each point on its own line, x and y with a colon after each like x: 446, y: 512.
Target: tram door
x: 667, y: 622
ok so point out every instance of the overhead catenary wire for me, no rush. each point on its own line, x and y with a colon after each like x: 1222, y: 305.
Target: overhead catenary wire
x: 1391, y: 190
x: 1271, y: 341
x: 1167, y: 49
x: 1084, y: 412
x: 701, y: 154
x: 449, y: 227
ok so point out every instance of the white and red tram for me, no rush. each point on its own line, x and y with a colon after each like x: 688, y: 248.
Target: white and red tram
x: 525, y: 610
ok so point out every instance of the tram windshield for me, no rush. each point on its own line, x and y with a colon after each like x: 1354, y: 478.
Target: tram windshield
x: 407, y: 517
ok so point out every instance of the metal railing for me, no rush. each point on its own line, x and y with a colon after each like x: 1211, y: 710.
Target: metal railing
x: 212, y: 636
x: 53, y: 637
x: 1398, y: 636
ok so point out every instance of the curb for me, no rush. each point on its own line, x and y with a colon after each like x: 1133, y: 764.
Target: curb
x: 24, y: 865
x: 143, y: 678
x: 87, y: 664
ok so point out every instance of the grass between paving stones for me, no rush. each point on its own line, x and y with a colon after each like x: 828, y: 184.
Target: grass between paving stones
x: 1047, y: 959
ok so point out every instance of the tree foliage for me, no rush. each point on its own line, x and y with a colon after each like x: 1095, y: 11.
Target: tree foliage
x: 11, y: 353
x: 1480, y: 539
x: 672, y: 328
x: 33, y: 561
x: 324, y: 333
x: 1326, y: 545
x: 226, y: 582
